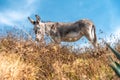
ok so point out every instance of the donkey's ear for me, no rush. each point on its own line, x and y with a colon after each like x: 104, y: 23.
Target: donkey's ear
x: 37, y: 18
x: 32, y: 21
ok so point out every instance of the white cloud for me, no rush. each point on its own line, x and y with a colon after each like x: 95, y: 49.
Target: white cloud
x: 117, y: 31
x: 30, y: 2
x: 5, y: 21
x: 12, y: 16
x: 115, y: 36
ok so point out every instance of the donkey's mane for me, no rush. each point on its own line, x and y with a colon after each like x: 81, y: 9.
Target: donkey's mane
x: 46, y: 21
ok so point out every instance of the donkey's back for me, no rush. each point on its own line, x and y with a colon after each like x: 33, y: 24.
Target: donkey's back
x: 70, y: 32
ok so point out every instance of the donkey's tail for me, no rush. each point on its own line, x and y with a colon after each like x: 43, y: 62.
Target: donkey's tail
x: 93, y: 32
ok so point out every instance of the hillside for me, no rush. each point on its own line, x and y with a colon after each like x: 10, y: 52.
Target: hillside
x: 24, y: 60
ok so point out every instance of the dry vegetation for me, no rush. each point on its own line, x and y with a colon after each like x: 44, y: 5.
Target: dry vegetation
x: 26, y: 60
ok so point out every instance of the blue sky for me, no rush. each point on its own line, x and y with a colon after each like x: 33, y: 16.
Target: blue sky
x: 104, y: 13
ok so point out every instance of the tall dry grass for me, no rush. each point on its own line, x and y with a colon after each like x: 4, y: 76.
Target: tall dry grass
x: 25, y: 60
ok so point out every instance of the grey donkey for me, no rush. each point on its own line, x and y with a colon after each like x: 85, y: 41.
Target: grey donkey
x: 64, y: 32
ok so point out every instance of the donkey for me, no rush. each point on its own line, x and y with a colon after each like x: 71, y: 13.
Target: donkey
x: 66, y: 32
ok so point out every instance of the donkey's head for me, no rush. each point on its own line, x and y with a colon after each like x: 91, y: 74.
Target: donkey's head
x: 38, y: 27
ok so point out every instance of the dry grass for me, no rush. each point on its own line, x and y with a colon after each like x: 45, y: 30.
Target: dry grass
x: 24, y: 60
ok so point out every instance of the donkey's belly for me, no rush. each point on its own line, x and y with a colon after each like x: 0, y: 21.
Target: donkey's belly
x: 71, y: 37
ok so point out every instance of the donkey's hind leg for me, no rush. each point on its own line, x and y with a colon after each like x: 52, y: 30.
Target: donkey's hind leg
x: 89, y: 37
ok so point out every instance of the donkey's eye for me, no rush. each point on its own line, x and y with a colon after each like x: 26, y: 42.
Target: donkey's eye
x: 35, y: 31
x: 37, y: 22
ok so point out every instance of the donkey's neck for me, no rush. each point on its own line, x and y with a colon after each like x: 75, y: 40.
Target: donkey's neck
x: 47, y: 26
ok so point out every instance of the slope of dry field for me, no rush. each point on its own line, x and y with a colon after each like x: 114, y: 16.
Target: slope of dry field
x: 24, y: 60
